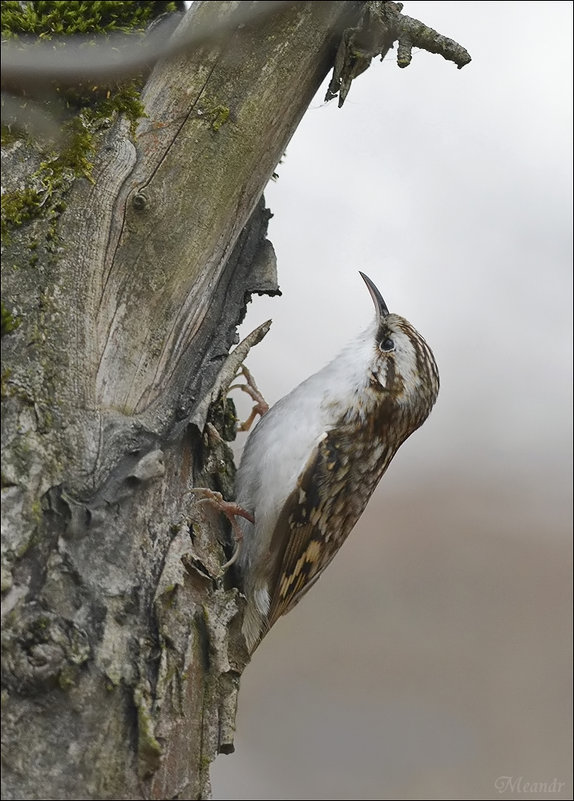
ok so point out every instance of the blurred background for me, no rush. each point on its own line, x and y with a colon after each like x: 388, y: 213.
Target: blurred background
x: 433, y: 658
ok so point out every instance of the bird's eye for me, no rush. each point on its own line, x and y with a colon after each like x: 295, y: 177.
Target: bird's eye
x: 387, y: 344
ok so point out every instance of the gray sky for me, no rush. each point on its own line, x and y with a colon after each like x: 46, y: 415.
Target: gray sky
x: 452, y: 191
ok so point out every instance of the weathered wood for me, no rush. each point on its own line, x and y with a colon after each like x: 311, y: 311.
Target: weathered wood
x: 122, y: 649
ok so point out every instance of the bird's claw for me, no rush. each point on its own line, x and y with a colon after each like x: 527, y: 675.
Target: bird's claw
x: 231, y: 511
x: 250, y: 388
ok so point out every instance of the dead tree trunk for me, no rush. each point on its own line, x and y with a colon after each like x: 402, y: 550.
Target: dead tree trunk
x: 122, y: 649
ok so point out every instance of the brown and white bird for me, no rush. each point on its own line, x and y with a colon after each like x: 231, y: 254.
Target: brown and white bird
x: 314, y: 459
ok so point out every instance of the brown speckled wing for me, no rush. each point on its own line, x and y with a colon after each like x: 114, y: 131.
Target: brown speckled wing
x: 318, y: 515
x: 299, y: 533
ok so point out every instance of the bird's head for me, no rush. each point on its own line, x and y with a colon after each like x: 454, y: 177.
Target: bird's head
x: 393, y: 363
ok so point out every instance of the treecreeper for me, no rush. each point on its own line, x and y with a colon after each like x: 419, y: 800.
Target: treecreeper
x: 312, y: 462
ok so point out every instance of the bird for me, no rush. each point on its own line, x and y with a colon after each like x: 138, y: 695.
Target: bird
x: 315, y: 457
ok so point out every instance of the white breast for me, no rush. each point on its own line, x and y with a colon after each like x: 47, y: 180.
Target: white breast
x: 284, y: 439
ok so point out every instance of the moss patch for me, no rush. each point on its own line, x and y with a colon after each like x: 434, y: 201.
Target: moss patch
x: 9, y: 324
x: 218, y: 116
x: 49, y: 18
x: 83, y: 110
x: 18, y: 207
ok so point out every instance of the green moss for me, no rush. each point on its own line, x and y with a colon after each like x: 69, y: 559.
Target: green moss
x: 36, y: 511
x: 149, y: 749
x: 22, y: 205
x: 218, y: 116
x: 89, y: 108
x: 65, y: 17
x: 9, y: 324
x: 39, y: 625
x: 204, y: 764
x: 79, y: 133
x: 125, y: 100
x: 76, y: 155
x: 18, y: 207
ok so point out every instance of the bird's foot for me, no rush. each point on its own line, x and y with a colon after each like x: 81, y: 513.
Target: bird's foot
x: 251, y: 388
x: 231, y: 511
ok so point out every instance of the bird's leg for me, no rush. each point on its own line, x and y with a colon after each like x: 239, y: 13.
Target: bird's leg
x: 231, y: 511
x: 251, y: 388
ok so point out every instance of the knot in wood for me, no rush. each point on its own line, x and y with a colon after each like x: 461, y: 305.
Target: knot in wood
x: 140, y: 201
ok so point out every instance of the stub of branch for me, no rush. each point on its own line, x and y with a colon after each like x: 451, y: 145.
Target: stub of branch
x: 381, y: 25
x: 228, y: 372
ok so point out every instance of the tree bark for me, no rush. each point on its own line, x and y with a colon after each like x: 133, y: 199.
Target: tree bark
x: 122, y: 646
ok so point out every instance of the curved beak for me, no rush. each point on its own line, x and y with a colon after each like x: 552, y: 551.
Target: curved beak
x: 380, y: 305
